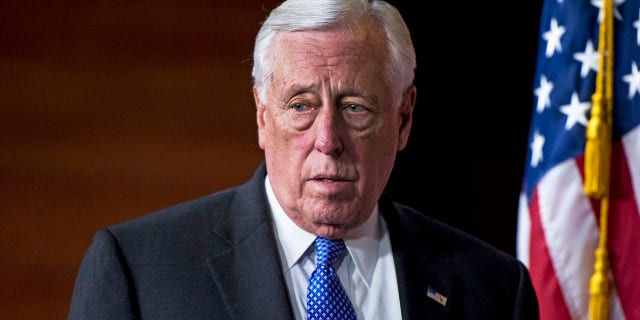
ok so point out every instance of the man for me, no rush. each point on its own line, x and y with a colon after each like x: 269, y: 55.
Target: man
x: 334, y: 94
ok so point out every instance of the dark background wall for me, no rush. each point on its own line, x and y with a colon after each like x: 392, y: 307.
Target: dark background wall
x: 112, y: 109
x: 466, y: 156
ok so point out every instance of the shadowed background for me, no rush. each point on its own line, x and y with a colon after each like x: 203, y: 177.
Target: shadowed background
x: 112, y: 109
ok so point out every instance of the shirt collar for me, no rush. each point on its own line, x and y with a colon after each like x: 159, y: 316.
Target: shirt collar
x: 362, y: 242
x: 293, y: 241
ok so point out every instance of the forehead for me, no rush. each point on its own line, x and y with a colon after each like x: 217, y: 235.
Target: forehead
x: 360, y: 47
x: 364, y: 31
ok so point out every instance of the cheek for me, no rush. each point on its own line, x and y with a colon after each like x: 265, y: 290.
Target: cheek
x: 283, y: 137
x: 277, y: 140
x: 381, y: 151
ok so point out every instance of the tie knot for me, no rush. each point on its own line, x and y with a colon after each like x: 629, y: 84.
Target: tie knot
x: 327, y: 251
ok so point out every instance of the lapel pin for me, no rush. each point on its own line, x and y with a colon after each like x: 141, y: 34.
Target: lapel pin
x: 436, y: 296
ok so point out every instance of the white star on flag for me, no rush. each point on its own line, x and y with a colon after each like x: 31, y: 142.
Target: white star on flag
x: 616, y: 12
x: 633, y: 79
x: 589, y: 59
x: 553, y: 37
x: 575, y: 111
x: 543, y: 92
x: 536, y: 149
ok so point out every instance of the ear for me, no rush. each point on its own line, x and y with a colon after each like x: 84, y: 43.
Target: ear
x: 261, y: 113
x: 406, y: 116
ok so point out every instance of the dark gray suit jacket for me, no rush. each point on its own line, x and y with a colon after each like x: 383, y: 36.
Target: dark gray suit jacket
x: 217, y: 258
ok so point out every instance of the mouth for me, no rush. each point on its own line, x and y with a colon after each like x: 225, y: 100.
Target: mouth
x: 330, y: 188
x: 330, y: 179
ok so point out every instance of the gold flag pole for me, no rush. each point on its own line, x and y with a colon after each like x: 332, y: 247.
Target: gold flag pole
x: 597, y: 161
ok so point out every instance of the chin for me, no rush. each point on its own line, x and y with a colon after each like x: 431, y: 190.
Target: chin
x: 330, y: 231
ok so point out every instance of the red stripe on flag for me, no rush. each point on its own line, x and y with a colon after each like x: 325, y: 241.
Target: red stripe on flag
x: 624, y: 234
x: 623, y: 241
x: 550, y: 299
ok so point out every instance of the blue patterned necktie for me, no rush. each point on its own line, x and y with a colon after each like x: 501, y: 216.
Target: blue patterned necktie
x: 326, y: 298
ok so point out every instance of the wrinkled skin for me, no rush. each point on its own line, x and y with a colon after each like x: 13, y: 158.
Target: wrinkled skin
x: 330, y: 130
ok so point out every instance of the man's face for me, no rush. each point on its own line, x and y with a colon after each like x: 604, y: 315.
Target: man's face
x: 329, y: 130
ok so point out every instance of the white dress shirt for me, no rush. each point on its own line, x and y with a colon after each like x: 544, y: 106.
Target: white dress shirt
x: 367, y: 272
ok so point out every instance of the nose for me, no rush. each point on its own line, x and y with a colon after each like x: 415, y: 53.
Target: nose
x: 327, y: 128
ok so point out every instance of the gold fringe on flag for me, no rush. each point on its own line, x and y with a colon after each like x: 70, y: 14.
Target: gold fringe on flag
x: 597, y: 162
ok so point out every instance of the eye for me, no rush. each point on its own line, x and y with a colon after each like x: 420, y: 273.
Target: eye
x: 352, y: 107
x: 358, y: 116
x: 301, y: 114
x: 300, y: 107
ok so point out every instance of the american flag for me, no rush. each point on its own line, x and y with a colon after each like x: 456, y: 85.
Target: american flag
x: 558, y: 226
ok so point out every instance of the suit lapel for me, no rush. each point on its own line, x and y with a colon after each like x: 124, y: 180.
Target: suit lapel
x: 248, y: 272
x: 426, y: 291
x: 250, y: 278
